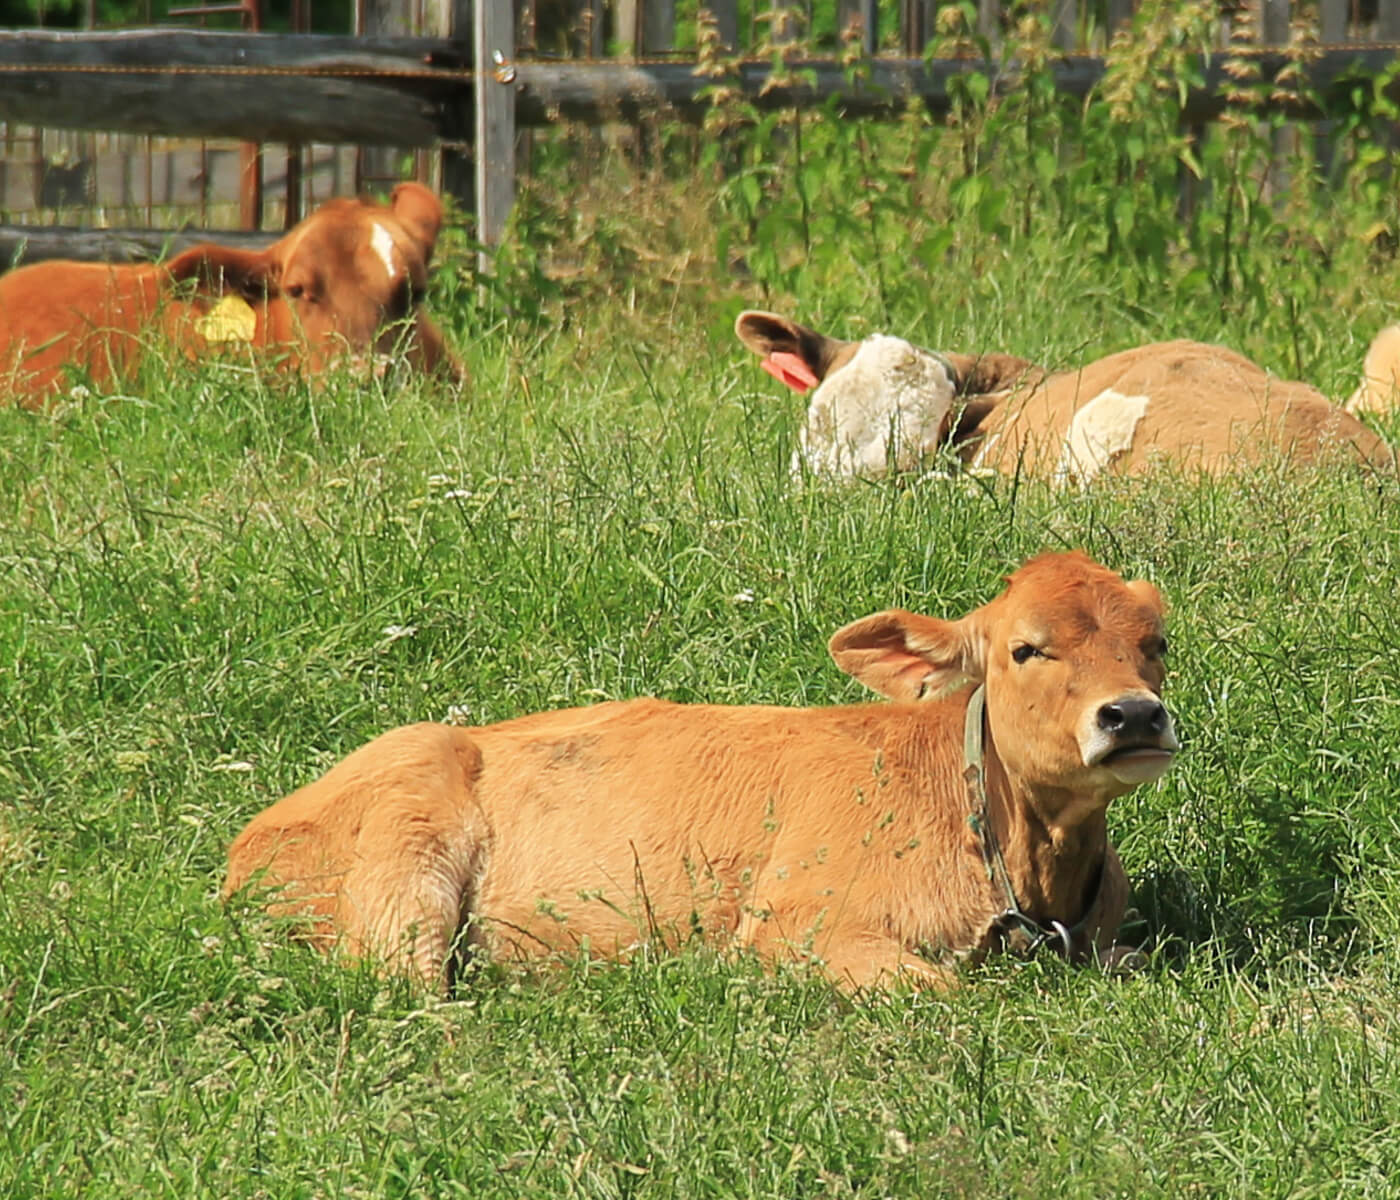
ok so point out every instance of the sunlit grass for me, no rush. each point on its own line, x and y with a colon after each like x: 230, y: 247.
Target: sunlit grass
x: 215, y: 584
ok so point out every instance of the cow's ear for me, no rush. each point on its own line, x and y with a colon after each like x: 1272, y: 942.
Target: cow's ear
x: 1147, y: 592
x: 419, y: 211
x: 223, y: 270
x: 768, y: 334
x: 906, y: 656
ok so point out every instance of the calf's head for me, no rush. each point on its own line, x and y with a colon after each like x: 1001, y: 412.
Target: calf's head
x: 346, y: 282
x: 867, y: 393
x: 1072, y: 660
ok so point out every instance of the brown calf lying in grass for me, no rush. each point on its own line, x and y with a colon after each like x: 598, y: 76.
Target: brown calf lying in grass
x: 849, y: 837
x: 347, y: 282
x: 884, y: 403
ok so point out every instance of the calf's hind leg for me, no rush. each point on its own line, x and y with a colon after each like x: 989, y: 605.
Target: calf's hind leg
x: 407, y: 902
x: 385, y: 852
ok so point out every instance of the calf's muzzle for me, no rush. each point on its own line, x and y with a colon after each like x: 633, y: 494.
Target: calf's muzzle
x: 1134, y: 719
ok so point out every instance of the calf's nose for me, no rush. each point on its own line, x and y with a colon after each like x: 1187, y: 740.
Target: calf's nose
x: 1134, y: 717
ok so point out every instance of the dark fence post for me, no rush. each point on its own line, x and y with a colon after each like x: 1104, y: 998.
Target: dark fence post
x: 1120, y: 15
x: 456, y: 163
x: 1388, y: 20
x: 1273, y: 31
x: 989, y: 20
x: 1332, y: 21
x: 646, y: 26
x: 866, y: 14
x: 726, y: 15
x: 915, y: 25
x: 1065, y: 32
x: 379, y: 164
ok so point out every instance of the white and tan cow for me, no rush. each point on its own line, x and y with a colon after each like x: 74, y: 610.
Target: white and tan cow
x: 884, y: 403
x: 345, y: 283
x: 837, y: 836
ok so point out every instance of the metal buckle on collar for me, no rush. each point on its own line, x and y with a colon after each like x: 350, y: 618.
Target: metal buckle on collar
x: 1057, y: 929
x: 1056, y: 934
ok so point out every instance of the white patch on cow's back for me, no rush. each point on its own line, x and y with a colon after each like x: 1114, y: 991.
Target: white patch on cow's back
x: 890, y: 389
x: 382, y: 242
x: 1099, y: 432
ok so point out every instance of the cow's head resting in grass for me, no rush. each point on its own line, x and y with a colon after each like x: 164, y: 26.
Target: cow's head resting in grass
x: 345, y: 286
x: 348, y: 280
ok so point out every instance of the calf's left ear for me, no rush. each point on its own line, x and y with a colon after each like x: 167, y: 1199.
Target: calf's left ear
x: 419, y: 211
x: 906, y: 656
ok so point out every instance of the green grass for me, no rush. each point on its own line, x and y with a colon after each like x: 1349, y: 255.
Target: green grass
x: 212, y: 586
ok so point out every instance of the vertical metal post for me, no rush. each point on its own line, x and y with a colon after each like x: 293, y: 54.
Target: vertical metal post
x: 867, y: 14
x: 592, y: 16
x: 250, y: 184
x: 1120, y: 15
x: 1273, y: 22
x: 1273, y: 31
x: 1388, y: 20
x: 726, y: 13
x: 1332, y: 22
x: 301, y: 23
x: 494, y: 32
x: 1065, y: 33
x: 989, y: 20
x: 658, y: 25
x: 916, y: 25
x: 646, y: 26
x: 393, y: 18
x: 456, y: 172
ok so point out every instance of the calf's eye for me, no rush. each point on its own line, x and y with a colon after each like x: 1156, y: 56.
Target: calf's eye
x: 295, y: 291
x: 1025, y: 652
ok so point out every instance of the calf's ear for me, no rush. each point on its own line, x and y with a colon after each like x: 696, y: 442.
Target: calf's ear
x: 767, y: 334
x: 906, y: 656
x: 1147, y: 592
x: 223, y: 270
x: 419, y: 211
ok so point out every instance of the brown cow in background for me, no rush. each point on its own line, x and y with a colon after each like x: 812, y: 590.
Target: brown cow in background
x: 345, y: 283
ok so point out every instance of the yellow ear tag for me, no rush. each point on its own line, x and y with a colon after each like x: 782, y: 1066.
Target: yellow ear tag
x: 232, y: 319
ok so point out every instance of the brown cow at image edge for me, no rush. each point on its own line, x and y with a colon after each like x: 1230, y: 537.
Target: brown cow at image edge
x: 837, y: 836
x: 345, y: 283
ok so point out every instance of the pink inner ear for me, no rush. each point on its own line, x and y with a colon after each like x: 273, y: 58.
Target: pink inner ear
x: 788, y: 368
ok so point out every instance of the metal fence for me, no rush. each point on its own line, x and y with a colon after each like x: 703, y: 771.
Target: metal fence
x: 56, y: 176
x: 410, y: 77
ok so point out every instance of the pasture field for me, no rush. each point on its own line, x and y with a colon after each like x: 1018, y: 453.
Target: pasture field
x: 214, y: 584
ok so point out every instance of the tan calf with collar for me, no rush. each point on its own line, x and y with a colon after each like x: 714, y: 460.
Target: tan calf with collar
x: 838, y: 836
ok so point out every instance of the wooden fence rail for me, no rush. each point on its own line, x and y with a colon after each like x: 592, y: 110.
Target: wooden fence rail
x: 419, y: 91
x: 33, y: 243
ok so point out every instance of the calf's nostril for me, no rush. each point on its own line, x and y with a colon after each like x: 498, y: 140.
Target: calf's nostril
x: 1111, y: 718
x: 1133, y: 718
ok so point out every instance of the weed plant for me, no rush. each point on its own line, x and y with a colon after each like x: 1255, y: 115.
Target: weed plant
x: 216, y: 583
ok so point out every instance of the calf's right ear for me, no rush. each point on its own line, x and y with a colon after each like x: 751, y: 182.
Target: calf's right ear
x: 906, y: 656
x: 798, y: 356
